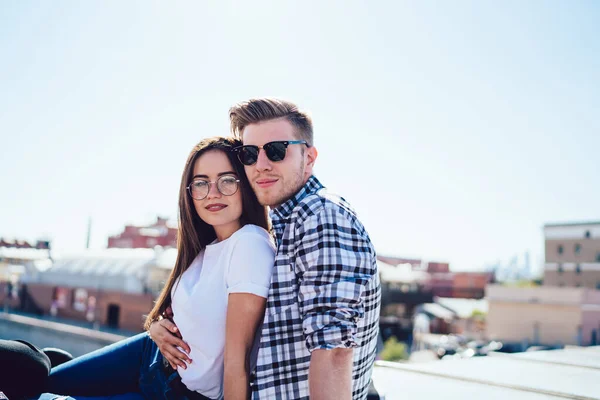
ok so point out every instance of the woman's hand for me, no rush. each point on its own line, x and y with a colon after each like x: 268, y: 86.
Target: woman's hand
x: 167, y: 337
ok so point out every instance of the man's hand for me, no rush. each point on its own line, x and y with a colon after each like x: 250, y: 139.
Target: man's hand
x: 167, y: 337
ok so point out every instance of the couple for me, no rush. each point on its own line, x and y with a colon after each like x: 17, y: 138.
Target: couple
x: 241, y: 316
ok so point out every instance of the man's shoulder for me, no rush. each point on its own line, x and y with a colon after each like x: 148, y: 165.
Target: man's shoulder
x: 323, y: 202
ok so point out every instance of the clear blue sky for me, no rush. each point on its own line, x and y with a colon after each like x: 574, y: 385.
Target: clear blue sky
x: 456, y: 129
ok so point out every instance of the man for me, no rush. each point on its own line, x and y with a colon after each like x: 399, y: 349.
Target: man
x: 319, y: 335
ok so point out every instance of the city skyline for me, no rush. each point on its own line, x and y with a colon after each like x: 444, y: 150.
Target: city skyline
x: 455, y: 130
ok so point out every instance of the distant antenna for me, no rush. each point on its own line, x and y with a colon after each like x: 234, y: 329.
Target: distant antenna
x: 89, y: 233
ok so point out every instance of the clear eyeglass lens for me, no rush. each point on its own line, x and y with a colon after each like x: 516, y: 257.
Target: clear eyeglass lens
x: 227, y: 185
x: 199, y: 189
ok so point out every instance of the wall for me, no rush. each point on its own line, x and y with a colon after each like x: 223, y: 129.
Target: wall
x: 588, y: 276
x: 515, y: 322
x: 132, y: 307
x: 75, y: 340
x: 543, y: 294
x: 589, y: 250
x: 470, y: 284
x: 591, y: 322
x: 515, y: 312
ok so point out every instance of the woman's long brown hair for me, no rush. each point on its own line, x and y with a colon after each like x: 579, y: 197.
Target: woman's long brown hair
x: 194, y: 234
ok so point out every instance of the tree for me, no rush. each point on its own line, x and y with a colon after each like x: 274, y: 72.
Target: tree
x: 394, y: 350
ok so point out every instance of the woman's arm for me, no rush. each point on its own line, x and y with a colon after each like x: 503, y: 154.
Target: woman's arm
x: 248, y: 281
x: 244, y: 315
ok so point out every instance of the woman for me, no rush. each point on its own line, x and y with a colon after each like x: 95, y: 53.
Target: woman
x: 217, y: 292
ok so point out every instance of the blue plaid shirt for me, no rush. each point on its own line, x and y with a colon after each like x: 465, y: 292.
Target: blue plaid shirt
x: 324, y: 294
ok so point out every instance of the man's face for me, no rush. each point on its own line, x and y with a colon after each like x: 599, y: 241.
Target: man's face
x: 274, y: 182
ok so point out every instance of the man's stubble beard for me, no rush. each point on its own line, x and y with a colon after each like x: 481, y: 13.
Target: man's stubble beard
x: 289, y: 190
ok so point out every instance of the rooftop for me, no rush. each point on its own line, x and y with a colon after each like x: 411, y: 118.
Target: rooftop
x: 583, y: 223
x: 107, y: 269
x: 25, y: 254
x: 571, y: 373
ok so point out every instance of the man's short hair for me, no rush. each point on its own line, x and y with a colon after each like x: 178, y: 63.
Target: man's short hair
x: 266, y: 109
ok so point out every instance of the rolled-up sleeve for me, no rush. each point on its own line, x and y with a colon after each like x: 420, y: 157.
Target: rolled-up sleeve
x: 334, y: 262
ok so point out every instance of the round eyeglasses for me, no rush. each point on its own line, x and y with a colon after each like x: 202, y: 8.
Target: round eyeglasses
x: 227, y: 185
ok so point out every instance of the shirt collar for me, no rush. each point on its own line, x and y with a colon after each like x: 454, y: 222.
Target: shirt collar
x: 285, y: 209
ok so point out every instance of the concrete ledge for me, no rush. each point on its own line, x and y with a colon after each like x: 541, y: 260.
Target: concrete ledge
x: 57, y: 326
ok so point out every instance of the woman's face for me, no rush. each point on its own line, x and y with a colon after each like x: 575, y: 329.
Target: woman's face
x: 221, y: 209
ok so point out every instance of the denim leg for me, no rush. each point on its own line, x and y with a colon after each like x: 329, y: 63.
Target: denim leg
x: 112, y: 370
x: 155, y: 382
x: 126, y: 396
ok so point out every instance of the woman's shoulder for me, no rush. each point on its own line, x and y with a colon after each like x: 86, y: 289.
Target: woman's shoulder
x: 253, y: 234
x: 253, y: 230
x: 252, y: 245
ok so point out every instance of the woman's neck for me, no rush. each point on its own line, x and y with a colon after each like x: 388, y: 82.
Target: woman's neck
x: 223, y: 232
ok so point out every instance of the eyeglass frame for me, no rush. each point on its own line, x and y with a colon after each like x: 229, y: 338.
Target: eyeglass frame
x: 286, y: 143
x: 237, y: 183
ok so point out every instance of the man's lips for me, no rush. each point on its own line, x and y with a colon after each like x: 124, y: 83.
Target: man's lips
x: 266, y: 182
x: 215, y: 207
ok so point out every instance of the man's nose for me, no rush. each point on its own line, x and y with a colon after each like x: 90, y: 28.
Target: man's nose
x: 262, y: 161
x: 213, y: 191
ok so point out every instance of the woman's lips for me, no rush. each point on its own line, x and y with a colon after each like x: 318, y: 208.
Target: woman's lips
x: 265, y: 183
x: 215, y: 207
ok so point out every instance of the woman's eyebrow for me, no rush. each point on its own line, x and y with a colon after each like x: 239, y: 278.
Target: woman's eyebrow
x: 227, y: 173
x: 219, y: 175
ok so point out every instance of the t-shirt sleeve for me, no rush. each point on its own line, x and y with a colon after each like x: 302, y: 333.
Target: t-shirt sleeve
x: 251, y: 265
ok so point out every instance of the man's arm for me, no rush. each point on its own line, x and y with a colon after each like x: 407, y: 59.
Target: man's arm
x: 333, y: 261
x: 330, y: 374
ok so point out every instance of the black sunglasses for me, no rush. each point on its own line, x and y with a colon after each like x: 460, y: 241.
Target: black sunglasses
x: 275, y: 151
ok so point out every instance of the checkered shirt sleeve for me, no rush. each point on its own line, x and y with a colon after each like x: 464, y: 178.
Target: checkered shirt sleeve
x: 333, y: 266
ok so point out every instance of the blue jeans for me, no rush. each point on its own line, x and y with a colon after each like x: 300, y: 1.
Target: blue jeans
x: 131, y: 369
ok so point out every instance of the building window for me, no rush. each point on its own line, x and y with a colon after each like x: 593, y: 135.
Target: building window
x: 598, y: 256
x: 560, y: 268
x: 578, y: 268
x: 80, y: 298
x: 560, y: 249
x: 577, y: 249
x: 587, y: 234
x: 598, y: 285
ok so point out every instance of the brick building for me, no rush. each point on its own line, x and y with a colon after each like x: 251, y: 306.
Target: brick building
x: 23, y: 244
x: 18, y: 257
x: 113, y: 287
x: 442, y: 282
x: 161, y: 233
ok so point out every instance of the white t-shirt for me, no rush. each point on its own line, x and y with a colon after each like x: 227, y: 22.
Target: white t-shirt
x: 242, y: 263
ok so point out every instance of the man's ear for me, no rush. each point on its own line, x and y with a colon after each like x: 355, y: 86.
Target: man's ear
x: 311, y: 157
